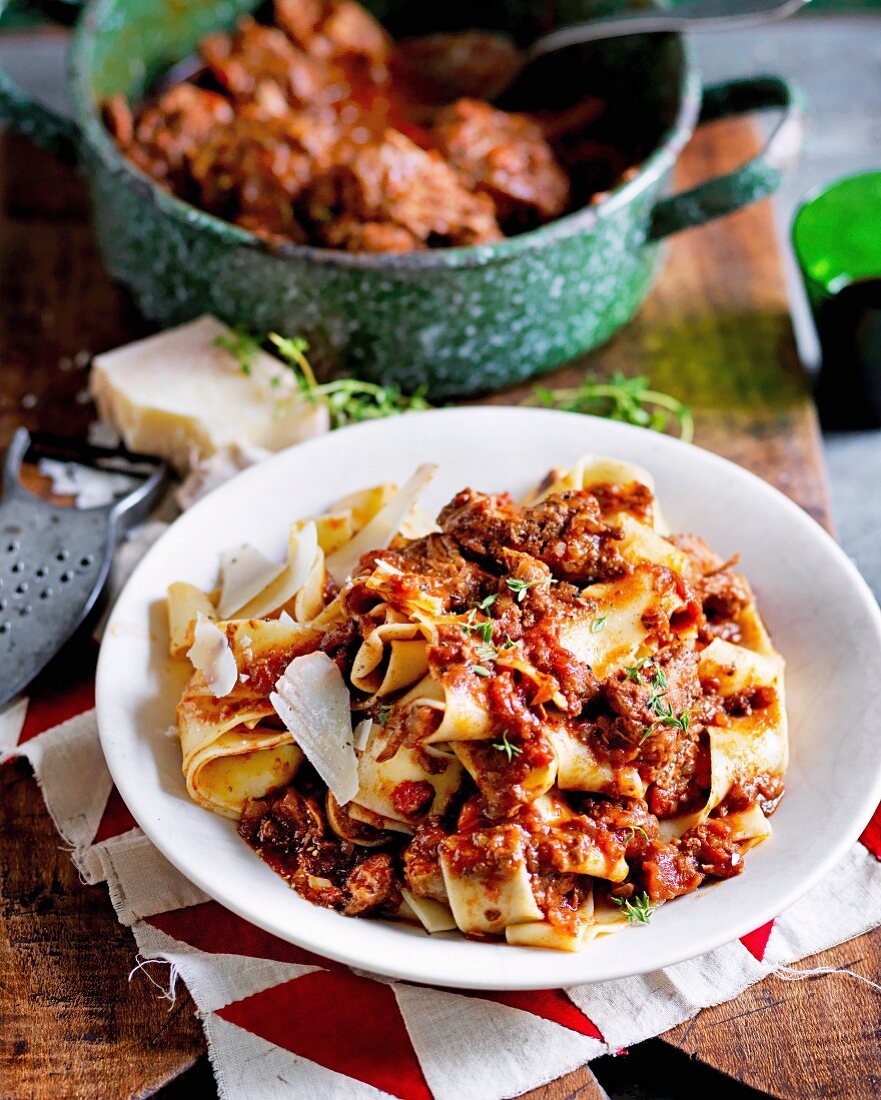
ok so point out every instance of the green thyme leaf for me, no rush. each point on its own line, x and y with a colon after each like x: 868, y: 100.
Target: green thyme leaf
x: 634, y: 672
x: 597, y: 625
x: 681, y: 722
x: 487, y: 603
x: 469, y: 623
x: 348, y: 400
x: 638, y: 910
x: 507, y: 748
x: 632, y: 830
x: 241, y: 346
x: 630, y: 400
x: 382, y: 715
x: 480, y: 670
x: 520, y: 587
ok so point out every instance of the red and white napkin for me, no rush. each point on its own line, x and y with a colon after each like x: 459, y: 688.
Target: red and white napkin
x: 281, y: 1022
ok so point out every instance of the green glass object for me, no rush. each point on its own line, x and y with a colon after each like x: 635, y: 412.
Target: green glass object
x: 837, y: 240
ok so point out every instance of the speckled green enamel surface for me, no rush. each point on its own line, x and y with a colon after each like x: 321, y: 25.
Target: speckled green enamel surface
x: 456, y: 329
x: 456, y: 321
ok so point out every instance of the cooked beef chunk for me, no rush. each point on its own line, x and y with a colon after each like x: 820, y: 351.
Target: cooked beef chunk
x: 255, y: 55
x: 504, y: 156
x: 391, y: 182
x: 565, y: 532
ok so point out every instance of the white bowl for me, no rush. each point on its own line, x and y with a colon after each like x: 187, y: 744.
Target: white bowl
x: 821, y: 614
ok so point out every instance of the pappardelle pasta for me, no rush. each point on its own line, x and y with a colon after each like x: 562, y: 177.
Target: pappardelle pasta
x: 534, y: 720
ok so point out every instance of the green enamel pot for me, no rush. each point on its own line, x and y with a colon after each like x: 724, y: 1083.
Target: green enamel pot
x: 456, y: 321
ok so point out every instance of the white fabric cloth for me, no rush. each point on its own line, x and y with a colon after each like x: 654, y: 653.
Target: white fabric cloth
x: 468, y: 1047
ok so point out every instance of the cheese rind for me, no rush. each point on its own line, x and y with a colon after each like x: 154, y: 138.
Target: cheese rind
x: 181, y: 397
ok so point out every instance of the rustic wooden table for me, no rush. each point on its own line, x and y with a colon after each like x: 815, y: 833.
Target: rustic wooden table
x: 716, y: 332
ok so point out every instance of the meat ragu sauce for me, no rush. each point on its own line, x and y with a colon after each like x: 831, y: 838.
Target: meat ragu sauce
x: 519, y: 573
x: 319, y: 129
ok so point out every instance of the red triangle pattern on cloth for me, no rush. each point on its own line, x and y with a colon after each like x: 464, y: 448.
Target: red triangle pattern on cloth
x: 209, y: 927
x: 872, y: 835
x: 346, y: 1023
x: 115, y: 820
x: 756, y: 942
x: 46, y: 710
x: 549, y: 1004
x: 63, y: 690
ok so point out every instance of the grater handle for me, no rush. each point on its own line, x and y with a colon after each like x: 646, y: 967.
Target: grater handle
x: 123, y: 513
x: 15, y: 453
x: 131, y: 509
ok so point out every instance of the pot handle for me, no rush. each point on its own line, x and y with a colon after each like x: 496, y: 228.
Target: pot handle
x: 759, y: 177
x: 22, y: 113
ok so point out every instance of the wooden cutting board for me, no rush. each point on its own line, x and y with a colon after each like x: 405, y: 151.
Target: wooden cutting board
x: 716, y: 333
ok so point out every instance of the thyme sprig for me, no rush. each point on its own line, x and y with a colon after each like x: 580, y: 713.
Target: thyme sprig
x: 482, y: 627
x: 241, y: 346
x: 656, y: 701
x: 638, y: 910
x: 520, y: 587
x: 630, y: 400
x: 351, y: 400
x: 632, y: 830
x: 633, y: 672
x: 347, y: 400
x: 507, y: 748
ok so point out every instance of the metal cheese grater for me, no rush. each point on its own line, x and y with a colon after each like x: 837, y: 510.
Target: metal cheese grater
x: 54, y: 561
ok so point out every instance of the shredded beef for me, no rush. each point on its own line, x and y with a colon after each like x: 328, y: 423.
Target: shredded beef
x: 255, y: 55
x: 333, y: 29
x: 565, y: 532
x: 370, y: 885
x: 723, y: 593
x: 390, y: 180
x: 421, y: 862
x: 504, y: 156
x: 668, y: 872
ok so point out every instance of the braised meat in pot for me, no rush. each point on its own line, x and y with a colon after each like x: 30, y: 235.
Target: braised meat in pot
x: 317, y: 128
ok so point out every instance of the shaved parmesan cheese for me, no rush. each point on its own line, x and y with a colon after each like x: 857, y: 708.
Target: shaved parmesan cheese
x: 362, y: 734
x: 312, y: 700
x: 302, y: 550
x: 380, y: 531
x: 211, y: 655
x: 304, y: 547
x: 377, y: 821
x: 434, y: 916
x: 243, y: 573
x: 92, y: 488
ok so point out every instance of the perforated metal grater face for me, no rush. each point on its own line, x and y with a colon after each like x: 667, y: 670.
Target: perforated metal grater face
x: 54, y: 561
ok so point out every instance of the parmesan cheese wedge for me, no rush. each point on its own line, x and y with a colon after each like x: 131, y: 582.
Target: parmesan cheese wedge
x: 244, y: 573
x: 181, y: 397
x: 312, y: 700
x: 211, y: 655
